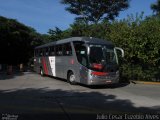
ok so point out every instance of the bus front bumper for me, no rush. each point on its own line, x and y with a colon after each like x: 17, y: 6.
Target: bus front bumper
x: 96, y: 80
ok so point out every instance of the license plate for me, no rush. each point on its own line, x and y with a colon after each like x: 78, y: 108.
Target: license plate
x: 108, y: 81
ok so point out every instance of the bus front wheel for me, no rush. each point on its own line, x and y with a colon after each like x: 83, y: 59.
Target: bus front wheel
x: 71, y: 78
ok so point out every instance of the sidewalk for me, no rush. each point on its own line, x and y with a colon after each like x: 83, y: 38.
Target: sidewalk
x: 145, y: 82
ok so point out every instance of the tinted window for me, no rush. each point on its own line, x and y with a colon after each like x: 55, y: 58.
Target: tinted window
x: 100, y: 56
x: 96, y: 54
x: 36, y: 53
x: 52, y: 51
x: 110, y: 55
x: 40, y: 52
x: 46, y: 51
x: 81, y: 53
x: 59, y: 50
x: 67, y: 49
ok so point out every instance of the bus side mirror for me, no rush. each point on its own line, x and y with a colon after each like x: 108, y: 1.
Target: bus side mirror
x: 120, y: 49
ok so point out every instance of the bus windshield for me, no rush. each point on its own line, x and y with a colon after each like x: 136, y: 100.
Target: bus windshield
x: 101, y: 55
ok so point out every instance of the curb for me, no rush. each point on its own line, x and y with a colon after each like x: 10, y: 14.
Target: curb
x: 144, y: 82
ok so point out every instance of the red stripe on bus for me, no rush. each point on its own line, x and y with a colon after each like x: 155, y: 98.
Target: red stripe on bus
x: 44, y: 66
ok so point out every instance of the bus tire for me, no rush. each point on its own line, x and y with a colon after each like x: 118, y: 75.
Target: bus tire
x: 71, y: 78
x: 41, y: 72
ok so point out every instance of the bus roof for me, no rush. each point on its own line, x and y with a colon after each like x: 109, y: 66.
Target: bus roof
x: 90, y: 40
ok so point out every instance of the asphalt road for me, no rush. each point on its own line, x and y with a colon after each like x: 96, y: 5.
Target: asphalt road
x: 29, y: 96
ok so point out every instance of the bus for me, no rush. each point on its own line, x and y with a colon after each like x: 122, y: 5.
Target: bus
x: 85, y: 60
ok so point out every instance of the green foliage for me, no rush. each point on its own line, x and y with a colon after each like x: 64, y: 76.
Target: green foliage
x: 94, y: 30
x: 94, y: 10
x: 16, y: 41
x: 140, y: 40
x: 57, y: 34
x: 156, y: 7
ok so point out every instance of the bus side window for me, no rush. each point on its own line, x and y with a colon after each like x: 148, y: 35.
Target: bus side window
x: 56, y: 50
x: 40, y: 52
x: 47, y: 51
x: 59, y: 50
x: 44, y: 52
x: 67, y: 50
x: 36, y: 53
x: 52, y: 51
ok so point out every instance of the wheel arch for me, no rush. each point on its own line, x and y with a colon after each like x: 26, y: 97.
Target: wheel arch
x: 69, y: 71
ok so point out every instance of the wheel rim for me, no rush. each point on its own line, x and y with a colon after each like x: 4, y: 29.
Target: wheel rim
x: 72, y: 78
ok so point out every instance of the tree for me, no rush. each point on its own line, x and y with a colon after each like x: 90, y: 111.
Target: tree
x: 93, y: 30
x: 140, y: 40
x: 57, y: 34
x: 156, y: 7
x: 96, y: 10
x: 16, y: 41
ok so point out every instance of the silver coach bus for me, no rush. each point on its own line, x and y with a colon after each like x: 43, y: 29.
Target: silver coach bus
x: 85, y: 60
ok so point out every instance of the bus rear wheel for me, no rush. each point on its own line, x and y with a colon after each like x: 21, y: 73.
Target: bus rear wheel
x: 71, y: 78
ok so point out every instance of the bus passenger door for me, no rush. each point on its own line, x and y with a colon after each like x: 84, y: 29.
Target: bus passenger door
x: 81, y: 53
x: 52, y: 64
x: 83, y: 74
